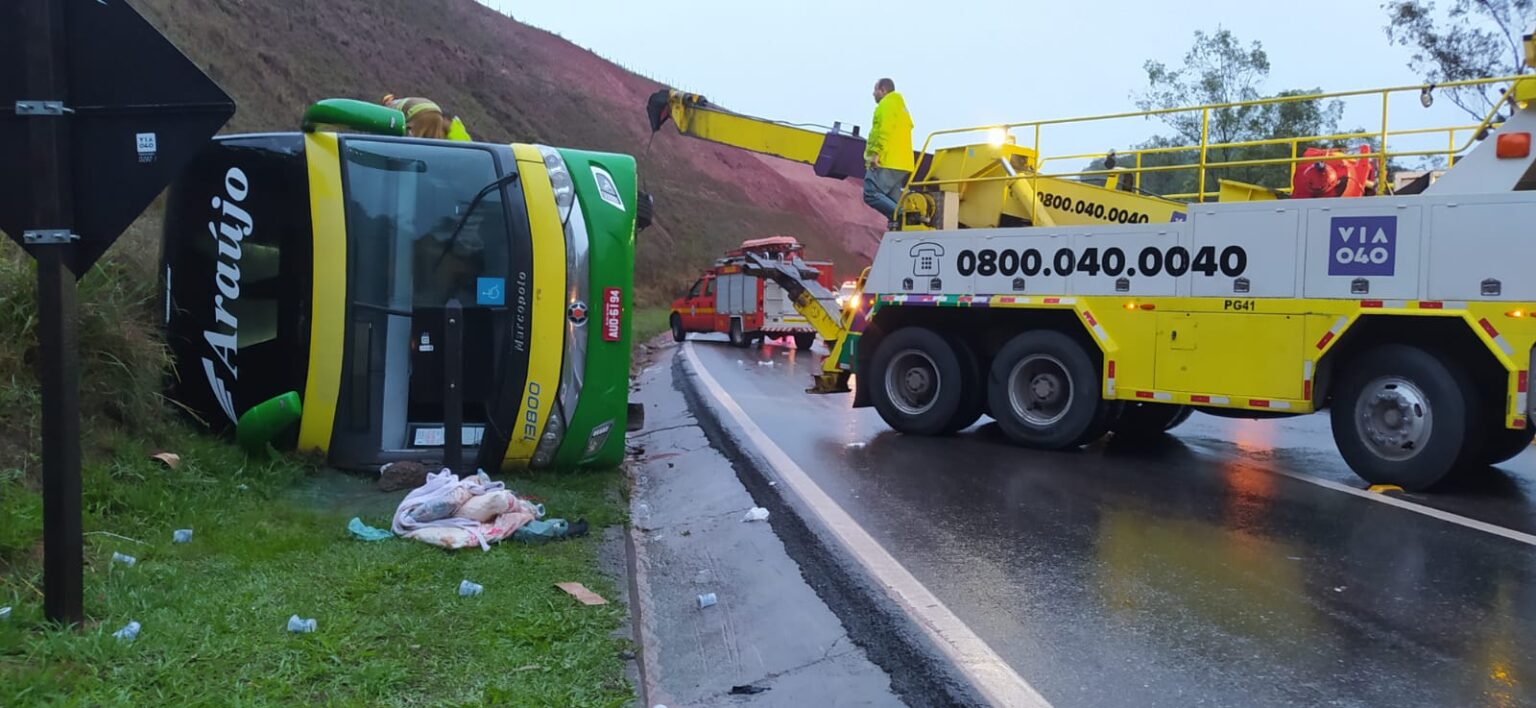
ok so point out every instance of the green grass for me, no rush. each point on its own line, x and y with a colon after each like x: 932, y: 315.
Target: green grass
x: 651, y: 321
x: 269, y: 541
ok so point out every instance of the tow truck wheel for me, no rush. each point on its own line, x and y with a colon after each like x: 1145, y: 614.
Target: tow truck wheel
x: 917, y: 381
x: 678, y: 334
x: 738, y: 337
x: 1144, y: 421
x: 1402, y: 417
x: 973, y: 389
x: 1504, y: 444
x: 804, y: 340
x: 1043, y: 389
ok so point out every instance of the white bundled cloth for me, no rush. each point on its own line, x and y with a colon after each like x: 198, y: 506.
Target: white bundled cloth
x: 456, y: 513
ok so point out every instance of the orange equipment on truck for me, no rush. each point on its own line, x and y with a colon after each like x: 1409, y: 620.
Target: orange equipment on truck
x: 733, y: 297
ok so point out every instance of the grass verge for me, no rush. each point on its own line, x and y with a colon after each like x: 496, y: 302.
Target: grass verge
x: 270, y: 541
x: 651, y: 321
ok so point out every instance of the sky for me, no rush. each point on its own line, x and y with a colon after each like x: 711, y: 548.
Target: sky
x: 973, y: 62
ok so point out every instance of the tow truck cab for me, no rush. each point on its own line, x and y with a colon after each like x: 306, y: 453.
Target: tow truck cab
x: 323, y: 264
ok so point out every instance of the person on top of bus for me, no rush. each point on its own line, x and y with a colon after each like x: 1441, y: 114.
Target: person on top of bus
x: 425, y: 119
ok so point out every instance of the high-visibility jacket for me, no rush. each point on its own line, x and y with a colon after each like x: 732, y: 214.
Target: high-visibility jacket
x: 456, y: 131
x: 890, y: 135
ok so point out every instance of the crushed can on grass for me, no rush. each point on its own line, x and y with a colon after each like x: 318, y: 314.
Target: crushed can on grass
x: 707, y: 600
x: 124, y: 559
x: 301, y: 626
x: 469, y: 589
x: 181, y: 536
x: 128, y: 633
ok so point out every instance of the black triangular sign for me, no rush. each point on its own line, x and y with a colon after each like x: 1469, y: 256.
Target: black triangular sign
x: 142, y: 110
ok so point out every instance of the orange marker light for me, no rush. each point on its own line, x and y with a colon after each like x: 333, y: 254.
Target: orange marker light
x: 1513, y: 146
x: 1515, y: 313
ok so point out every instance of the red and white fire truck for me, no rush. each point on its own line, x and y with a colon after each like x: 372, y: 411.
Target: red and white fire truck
x: 746, y: 307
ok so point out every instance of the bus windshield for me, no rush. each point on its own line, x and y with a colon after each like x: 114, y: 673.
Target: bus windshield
x: 403, y: 202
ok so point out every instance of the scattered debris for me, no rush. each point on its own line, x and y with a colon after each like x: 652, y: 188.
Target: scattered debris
x: 5, y: 613
x: 530, y: 667
x: 396, y: 476
x: 128, y: 633
x: 707, y: 600
x: 1341, y: 588
x: 748, y: 690
x: 301, y: 626
x: 181, y: 536
x: 434, y: 512
x: 116, y: 536
x: 772, y: 483
x: 124, y: 559
x: 469, y: 589
x: 364, y: 532
x: 581, y: 593
x: 756, y: 513
x: 768, y: 364
x: 171, y: 459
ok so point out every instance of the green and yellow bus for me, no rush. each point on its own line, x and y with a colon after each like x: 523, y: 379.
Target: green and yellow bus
x: 321, y: 263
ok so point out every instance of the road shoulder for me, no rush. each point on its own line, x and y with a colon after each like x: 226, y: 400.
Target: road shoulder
x: 768, y: 628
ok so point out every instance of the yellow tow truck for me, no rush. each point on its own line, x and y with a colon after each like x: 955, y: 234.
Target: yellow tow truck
x: 1065, y: 309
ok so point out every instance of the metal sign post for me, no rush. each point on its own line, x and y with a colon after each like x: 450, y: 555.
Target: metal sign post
x: 59, y: 346
x: 98, y: 112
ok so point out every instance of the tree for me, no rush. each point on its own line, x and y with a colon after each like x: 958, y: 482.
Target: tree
x: 1221, y: 69
x: 1474, y: 39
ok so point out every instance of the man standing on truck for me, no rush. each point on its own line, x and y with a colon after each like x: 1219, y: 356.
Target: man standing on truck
x: 888, y: 153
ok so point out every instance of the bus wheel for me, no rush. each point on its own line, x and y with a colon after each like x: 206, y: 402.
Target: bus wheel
x: 1504, y: 444
x: 1043, y: 389
x: 738, y: 337
x: 917, y: 381
x: 804, y: 340
x: 973, y: 389
x: 1402, y: 417
x: 1144, y: 421
x: 678, y: 334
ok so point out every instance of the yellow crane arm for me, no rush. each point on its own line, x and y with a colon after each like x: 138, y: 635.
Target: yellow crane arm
x: 833, y: 152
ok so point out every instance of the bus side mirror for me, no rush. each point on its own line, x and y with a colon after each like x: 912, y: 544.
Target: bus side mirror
x: 355, y: 115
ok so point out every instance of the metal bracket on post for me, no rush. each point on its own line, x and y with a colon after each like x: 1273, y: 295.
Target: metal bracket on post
x: 48, y: 237
x: 42, y: 108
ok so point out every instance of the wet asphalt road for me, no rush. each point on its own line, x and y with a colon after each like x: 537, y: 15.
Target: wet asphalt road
x: 1184, y: 573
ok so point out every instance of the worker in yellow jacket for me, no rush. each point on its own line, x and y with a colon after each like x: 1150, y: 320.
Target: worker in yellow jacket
x: 888, y: 152
x: 425, y: 119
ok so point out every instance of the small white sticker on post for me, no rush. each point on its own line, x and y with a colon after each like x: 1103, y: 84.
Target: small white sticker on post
x: 148, y: 146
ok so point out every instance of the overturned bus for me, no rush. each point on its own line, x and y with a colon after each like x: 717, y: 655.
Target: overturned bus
x: 317, y: 269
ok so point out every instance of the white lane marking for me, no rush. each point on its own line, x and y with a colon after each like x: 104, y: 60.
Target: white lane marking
x: 1414, y: 507
x: 997, y: 681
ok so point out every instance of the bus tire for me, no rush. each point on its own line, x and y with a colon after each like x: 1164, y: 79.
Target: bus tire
x: 804, y: 340
x: 678, y: 334
x: 1401, y: 416
x: 1505, y: 443
x: 738, y: 336
x: 1146, y: 421
x: 1043, y: 390
x: 917, y: 381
